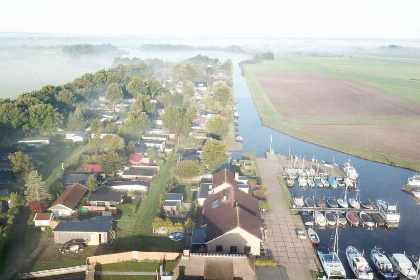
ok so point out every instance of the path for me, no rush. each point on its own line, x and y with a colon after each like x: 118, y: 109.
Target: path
x: 125, y: 273
x: 297, y: 255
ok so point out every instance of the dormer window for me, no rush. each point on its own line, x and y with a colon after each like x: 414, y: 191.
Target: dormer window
x: 215, y: 204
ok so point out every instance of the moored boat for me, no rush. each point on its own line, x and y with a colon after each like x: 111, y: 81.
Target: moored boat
x: 416, y: 193
x: 302, y: 182
x: 298, y: 200
x: 320, y: 203
x: 366, y: 219
x: 341, y: 219
x: 332, y: 202
x: 318, y: 183
x: 367, y: 204
x: 311, y: 183
x: 414, y: 181
x: 313, y: 237
x: 379, y: 221
x: 404, y: 266
x: 308, y: 220
x: 350, y: 171
x: 290, y: 182
x: 330, y: 218
x: 320, y: 219
x: 358, y: 264
x: 354, y: 203
x: 332, y: 181
x: 342, y: 202
x: 382, y: 264
x: 325, y: 183
x: 352, y: 218
x: 310, y: 202
x: 388, y: 211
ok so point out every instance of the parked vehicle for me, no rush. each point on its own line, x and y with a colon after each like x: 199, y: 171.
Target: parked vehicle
x: 300, y: 233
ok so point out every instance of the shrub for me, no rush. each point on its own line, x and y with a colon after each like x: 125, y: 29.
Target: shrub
x: 265, y: 262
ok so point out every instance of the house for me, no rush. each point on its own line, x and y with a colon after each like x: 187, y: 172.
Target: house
x: 76, y: 178
x: 157, y: 144
x: 5, y: 177
x: 200, y: 120
x: 241, y: 179
x: 76, y: 136
x: 158, y: 131
x: 209, y: 70
x: 94, y: 232
x: 5, y: 165
x: 121, y: 121
x: 155, y: 137
x: 138, y: 159
x: 169, y: 148
x: 103, y: 135
x: 92, y: 168
x: 222, y: 180
x: 191, y: 154
x: 104, y: 196
x: 65, y: 204
x: 232, y: 221
x: 211, y: 266
x: 200, y: 86
x: 203, y: 191
x: 35, y: 141
x: 243, y: 187
x: 172, y: 202
x: 137, y: 186
x: 43, y: 219
x: 139, y: 173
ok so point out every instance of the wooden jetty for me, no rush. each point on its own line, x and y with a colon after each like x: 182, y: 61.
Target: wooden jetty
x: 341, y: 210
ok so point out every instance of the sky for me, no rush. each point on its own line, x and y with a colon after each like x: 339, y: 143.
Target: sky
x: 373, y: 19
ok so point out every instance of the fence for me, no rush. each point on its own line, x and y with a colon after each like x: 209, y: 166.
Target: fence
x: 133, y: 255
x: 99, y: 209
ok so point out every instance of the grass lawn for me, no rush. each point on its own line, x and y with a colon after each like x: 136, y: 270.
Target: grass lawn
x: 185, y: 189
x: 230, y: 140
x: 146, y: 266
x: 270, y: 117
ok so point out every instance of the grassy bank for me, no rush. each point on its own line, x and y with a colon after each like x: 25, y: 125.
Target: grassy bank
x: 286, y: 194
x: 230, y: 139
x: 271, y: 118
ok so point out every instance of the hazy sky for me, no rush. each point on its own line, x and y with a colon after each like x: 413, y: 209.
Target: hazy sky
x: 297, y: 18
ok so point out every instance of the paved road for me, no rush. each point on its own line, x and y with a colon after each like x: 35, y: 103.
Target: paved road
x: 298, y: 256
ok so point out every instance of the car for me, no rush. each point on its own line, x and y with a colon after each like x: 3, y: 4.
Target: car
x: 301, y: 233
x: 73, y: 245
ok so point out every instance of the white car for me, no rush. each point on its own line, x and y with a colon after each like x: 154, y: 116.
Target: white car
x: 301, y: 233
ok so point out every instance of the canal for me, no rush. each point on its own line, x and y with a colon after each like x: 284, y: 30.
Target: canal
x: 377, y: 181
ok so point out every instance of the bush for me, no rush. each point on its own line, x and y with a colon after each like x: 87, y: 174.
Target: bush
x: 265, y: 262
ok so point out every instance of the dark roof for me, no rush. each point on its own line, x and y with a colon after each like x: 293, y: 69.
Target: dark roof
x: 76, y: 178
x: 127, y: 183
x: 108, y: 197
x: 203, y: 191
x: 239, y: 209
x: 71, y: 196
x: 223, y: 176
x: 174, y: 196
x: 43, y: 216
x: 5, y: 177
x: 198, y: 236
x: 99, y: 224
x: 139, y: 172
x: 170, y: 203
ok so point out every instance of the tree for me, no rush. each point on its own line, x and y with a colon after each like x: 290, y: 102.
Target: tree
x: 65, y: 96
x: 76, y: 120
x: 114, y: 143
x: 214, y: 154
x: 178, y: 120
x: 187, y: 170
x: 142, y: 103
x: 130, y: 148
x: 153, y: 87
x: 17, y: 200
x: 92, y: 183
x: 152, y: 154
x: 57, y: 188
x: 136, y: 87
x: 111, y: 163
x: 37, y: 206
x: 217, y: 126
x: 136, y: 124
x: 44, y: 118
x: 114, y: 93
x: 223, y: 94
x: 189, y: 223
x: 188, y: 88
x: 21, y: 163
x: 36, y: 189
x: 96, y: 126
x: 227, y: 65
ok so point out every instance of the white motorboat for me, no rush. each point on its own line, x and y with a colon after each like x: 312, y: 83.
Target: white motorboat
x: 320, y: 219
x: 238, y: 138
x: 388, y: 211
x: 350, y: 171
x: 414, y: 181
x: 358, y: 264
x: 354, y: 203
x: 404, y: 266
x: 311, y: 183
x: 342, y: 202
x: 416, y: 193
x: 325, y: 183
x: 302, y: 182
x: 313, y: 237
x: 382, y: 264
x: 298, y: 200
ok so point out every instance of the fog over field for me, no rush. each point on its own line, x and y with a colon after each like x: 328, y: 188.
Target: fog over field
x: 30, y: 61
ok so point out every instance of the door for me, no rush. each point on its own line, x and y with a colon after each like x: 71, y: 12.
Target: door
x: 100, y: 238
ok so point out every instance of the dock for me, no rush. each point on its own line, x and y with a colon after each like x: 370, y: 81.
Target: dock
x: 341, y: 210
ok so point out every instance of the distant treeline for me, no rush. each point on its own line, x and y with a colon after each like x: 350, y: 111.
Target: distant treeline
x: 170, y: 47
x: 265, y: 56
x: 87, y: 49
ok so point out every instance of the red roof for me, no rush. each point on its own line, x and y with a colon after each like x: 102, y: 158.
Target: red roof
x: 71, y: 196
x: 43, y: 216
x: 136, y: 157
x: 200, y: 118
x: 89, y: 167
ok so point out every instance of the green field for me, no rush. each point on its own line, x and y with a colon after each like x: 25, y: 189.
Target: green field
x: 368, y: 73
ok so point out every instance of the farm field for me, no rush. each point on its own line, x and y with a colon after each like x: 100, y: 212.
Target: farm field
x: 324, y: 100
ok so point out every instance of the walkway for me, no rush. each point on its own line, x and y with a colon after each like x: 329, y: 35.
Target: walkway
x: 125, y: 273
x: 297, y: 255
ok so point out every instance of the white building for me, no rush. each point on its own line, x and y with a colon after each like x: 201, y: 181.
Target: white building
x: 76, y: 136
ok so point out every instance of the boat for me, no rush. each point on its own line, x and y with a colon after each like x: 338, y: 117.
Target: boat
x: 349, y: 183
x: 290, y: 182
x: 388, y: 211
x: 358, y: 264
x: 379, y: 221
x: 176, y: 236
x: 414, y: 181
x: 354, y: 203
x: 325, y: 183
x: 342, y: 219
x: 352, y: 218
x: 415, y: 260
x: 310, y: 202
x: 298, y: 200
x: 331, y: 263
x: 404, y: 266
x: 342, y: 202
x: 340, y: 182
x: 350, y: 171
x: 308, y: 220
x: 330, y: 218
x: 311, y: 183
x: 366, y: 204
x: 382, y: 264
x: 320, y: 203
x: 302, y: 182
x: 366, y: 219
x: 416, y: 193
x: 318, y: 183
x: 332, y: 181
x: 332, y: 202
x: 320, y: 219
x: 313, y: 237
x: 238, y: 138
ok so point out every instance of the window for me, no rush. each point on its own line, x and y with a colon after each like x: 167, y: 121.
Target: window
x: 233, y: 249
x: 247, y: 250
x: 219, y: 249
x: 215, y: 204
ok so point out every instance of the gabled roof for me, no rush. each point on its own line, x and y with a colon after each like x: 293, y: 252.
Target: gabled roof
x: 99, y: 224
x: 136, y: 157
x: 43, y: 216
x: 76, y: 178
x: 139, y: 172
x: 174, y: 196
x: 90, y: 167
x: 229, y: 209
x: 223, y: 176
x: 128, y: 183
x: 105, y: 197
x: 71, y: 196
